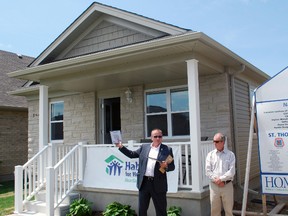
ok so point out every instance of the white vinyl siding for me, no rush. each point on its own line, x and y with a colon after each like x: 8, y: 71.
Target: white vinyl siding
x: 242, y: 111
x: 106, y: 36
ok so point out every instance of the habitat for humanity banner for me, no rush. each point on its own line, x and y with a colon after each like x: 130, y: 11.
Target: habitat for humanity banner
x: 272, y: 118
x: 107, y: 167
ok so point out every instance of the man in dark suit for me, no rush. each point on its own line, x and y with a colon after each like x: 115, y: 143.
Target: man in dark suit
x: 151, y: 176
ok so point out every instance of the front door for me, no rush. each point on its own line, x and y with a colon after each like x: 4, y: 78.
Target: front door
x: 111, y: 118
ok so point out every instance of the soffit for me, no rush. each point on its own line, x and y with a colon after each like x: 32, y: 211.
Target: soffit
x: 145, y: 63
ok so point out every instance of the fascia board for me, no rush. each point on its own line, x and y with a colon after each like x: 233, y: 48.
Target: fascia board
x: 214, y: 44
x: 119, y: 52
x: 170, y: 29
x: 61, y: 37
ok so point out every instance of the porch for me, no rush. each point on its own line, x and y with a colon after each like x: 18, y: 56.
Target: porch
x: 59, y: 170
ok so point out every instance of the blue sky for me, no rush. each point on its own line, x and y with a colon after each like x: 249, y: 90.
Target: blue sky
x: 256, y: 30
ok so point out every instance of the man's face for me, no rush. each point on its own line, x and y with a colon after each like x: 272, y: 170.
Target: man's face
x: 156, y: 137
x: 219, y: 144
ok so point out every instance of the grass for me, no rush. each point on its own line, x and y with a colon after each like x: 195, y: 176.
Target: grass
x: 6, y: 198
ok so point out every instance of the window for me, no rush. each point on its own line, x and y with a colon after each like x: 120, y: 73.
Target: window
x: 168, y: 110
x: 56, y: 121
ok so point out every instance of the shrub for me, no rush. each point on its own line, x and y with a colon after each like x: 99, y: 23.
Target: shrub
x: 80, y: 207
x: 174, y: 211
x: 116, y: 208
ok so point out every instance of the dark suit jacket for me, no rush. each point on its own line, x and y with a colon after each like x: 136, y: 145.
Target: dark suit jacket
x: 160, y: 179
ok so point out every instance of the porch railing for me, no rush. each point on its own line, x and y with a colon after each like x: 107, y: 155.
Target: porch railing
x: 31, y: 177
x: 61, y: 167
x: 63, y: 178
x: 185, y: 164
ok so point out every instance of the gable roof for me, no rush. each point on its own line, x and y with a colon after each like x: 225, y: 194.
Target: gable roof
x: 92, y: 21
x: 80, y: 60
x: 11, y: 62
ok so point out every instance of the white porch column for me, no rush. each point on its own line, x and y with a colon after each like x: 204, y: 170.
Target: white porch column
x: 43, y: 116
x: 195, y: 127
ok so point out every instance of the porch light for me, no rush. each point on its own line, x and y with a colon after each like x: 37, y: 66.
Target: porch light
x: 128, y: 95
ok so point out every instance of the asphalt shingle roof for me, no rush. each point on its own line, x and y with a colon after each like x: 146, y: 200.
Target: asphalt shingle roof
x: 11, y: 62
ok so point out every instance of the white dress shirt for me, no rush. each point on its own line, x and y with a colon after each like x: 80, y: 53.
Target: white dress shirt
x: 220, y: 165
x: 154, y: 151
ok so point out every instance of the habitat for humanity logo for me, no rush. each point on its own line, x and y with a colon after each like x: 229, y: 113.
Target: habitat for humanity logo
x: 114, y: 165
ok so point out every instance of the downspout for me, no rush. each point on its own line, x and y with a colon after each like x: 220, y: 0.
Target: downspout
x: 231, y: 83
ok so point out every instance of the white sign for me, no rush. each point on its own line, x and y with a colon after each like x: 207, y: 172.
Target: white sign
x: 272, y: 118
x: 107, y: 167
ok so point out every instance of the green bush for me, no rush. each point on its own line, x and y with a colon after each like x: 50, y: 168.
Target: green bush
x: 80, y: 207
x: 116, y: 208
x: 174, y: 211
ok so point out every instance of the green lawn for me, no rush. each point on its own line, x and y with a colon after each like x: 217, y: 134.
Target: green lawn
x: 6, y: 198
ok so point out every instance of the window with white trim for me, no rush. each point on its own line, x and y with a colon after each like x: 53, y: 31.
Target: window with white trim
x: 168, y: 110
x: 56, y: 121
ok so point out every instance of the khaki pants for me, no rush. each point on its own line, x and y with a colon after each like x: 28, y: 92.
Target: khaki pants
x: 221, y: 196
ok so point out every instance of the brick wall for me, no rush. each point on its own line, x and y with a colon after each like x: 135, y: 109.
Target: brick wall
x: 13, y: 141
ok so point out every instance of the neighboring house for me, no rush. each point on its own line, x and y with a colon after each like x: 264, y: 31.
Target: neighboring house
x: 116, y: 70
x: 13, y: 116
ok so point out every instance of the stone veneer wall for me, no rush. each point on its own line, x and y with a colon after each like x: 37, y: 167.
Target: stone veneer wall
x: 33, y: 128
x: 79, y: 120
x: 215, y: 105
x: 132, y: 115
x: 215, y: 108
x: 13, y: 141
x: 80, y: 113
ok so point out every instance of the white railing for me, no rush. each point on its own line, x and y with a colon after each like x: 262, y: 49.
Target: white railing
x: 31, y: 177
x: 63, y: 178
x: 61, y: 167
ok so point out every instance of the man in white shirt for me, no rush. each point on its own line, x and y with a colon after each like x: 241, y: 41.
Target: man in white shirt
x: 220, y: 169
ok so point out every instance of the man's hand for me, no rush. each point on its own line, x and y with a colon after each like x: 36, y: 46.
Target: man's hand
x: 119, y: 145
x: 163, y: 165
x: 219, y: 182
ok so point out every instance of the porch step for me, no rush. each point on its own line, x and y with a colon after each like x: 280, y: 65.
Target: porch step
x: 27, y: 213
x: 41, y: 196
x: 38, y: 206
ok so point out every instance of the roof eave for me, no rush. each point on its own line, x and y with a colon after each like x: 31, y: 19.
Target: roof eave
x: 128, y: 50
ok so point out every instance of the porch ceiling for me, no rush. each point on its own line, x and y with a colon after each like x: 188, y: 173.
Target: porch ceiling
x: 145, y: 63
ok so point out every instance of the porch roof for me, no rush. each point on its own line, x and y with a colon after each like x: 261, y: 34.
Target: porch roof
x: 154, y: 61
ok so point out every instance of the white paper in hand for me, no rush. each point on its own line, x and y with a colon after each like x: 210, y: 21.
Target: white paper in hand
x: 116, y: 136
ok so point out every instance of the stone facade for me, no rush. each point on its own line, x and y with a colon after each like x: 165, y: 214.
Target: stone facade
x: 79, y: 120
x: 215, y: 105
x: 132, y: 115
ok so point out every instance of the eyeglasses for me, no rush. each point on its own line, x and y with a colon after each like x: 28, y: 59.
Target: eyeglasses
x: 217, y: 141
x: 157, y: 137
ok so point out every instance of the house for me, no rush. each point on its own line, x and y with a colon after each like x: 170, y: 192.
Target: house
x: 13, y: 116
x: 116, y: 70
